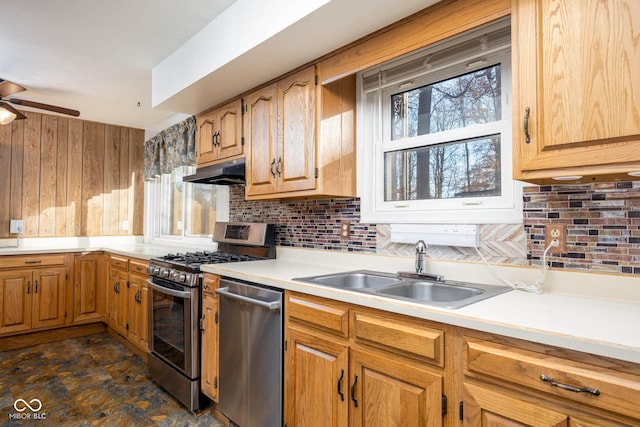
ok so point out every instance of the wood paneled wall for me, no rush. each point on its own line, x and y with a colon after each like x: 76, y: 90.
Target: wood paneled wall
x: 69, y: 177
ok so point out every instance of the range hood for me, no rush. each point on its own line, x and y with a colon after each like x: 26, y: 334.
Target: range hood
x: 227, y: 173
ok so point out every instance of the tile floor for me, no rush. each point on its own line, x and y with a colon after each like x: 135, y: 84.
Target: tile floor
x: 87, y: 381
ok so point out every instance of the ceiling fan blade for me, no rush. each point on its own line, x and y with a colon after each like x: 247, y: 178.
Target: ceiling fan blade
x: 19, y: 115
x: 8, y: 88
x: 54, y: 108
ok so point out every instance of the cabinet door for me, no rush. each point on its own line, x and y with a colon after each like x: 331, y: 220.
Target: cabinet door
x: 88, y: 288
x: 260, y: 129
x: 206, y: 148
x: 228, y: 141
x: 575, y: 67
x: 316, y: 384
x: 137, y: 311
x: 117, y: 300
x: 209, y: 331
x: 486, y: 406
x: 16, y: 289
x: 49, y: 296
x: 386, y: 392
x: 296, y: 161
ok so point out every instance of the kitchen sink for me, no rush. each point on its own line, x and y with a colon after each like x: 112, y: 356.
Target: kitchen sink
x: 361, y: 279
x: 426, y: 291
x: 412, y: 288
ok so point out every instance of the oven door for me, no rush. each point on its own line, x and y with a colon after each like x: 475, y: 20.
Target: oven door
x: 173, y: 320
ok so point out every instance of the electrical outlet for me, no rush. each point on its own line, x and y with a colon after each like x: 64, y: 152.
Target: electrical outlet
x: 556, y: 234
x: 125, y: 225
x: 16, y: 226
x: 345, y: 230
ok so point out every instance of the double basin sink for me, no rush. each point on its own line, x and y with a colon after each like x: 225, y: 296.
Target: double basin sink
x: 423, y: 289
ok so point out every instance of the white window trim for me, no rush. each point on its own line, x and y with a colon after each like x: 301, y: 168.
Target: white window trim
x: 370, y: 168
x: 152, y: 223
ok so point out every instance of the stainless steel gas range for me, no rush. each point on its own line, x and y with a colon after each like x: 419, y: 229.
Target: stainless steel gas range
x: 175, y: 291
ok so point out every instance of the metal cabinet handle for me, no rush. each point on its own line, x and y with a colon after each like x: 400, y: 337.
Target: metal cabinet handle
x: 353, y: 390
x: 36, y: 290
x: 278, y: 170
x: 340, y: 385
x: 273, y: 163
x: 270, y: 305
x: 213, y: 140
x: 28, y: 286
x: 33, y: 262
x: 527, y: 138
x: 593, y: 391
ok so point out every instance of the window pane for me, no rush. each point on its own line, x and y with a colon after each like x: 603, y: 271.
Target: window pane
x: 201, y: 209
x: 469, y: 168
x: 172, y: 202
x: 472, y: 98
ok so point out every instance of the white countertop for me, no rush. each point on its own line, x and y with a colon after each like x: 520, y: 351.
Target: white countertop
x: 132, y: 246
x: 593, y: 313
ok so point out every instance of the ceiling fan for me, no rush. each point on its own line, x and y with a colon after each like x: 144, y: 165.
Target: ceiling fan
x: 9, y: 114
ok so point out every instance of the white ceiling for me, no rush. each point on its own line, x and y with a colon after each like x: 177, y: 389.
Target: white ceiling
x: 97, y: 56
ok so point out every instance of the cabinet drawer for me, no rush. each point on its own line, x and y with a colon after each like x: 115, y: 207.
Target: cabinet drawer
x: 611, y: 390
x: 119, y: 262
x: 138, y: 266
x: 318, y: 312
x: 32, y: 260
x: 210, y: 282
x: 407, y: 337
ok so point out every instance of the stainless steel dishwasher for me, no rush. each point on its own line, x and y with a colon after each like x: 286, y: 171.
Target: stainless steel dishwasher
x: 251, y: 329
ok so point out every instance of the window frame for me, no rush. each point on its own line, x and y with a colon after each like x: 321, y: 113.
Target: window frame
x: 153, y: 202
x: 374, y: 141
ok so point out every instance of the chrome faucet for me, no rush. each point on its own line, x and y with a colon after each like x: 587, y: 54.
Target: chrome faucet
x: 421, y: 250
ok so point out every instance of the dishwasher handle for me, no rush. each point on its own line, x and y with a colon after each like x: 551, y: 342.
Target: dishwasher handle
x: 270, y: 305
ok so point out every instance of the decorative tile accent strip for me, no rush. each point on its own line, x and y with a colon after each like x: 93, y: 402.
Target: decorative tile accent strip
x: 499, y: 244
x: 603, y: 225
x: 307, y: 223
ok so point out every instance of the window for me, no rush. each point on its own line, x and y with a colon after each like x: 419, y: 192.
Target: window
x: 434, y: 143
x: 182, y: 210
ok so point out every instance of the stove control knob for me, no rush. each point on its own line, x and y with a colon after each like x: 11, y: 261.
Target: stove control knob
x: 166, y: 272
x: 182, y: 278
x: 156, y: 271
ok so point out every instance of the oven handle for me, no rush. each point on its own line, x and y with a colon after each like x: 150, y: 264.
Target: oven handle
x: 272, y: 305
x: 172, y: 292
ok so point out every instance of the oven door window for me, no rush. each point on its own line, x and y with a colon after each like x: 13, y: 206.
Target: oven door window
x: 169, y: 326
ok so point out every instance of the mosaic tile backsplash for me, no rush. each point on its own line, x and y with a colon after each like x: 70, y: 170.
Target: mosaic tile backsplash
x: 307, y: 223
x: 603, y: 227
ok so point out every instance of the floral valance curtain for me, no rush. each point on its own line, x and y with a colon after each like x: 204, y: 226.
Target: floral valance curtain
x: 173, y: 147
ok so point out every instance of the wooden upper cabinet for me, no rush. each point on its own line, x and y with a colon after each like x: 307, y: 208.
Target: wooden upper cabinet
x: 260, y: 127
x: 220, y: 134
x: 301, y: 138
x: 280, y: 124
x: 295, y: 163
x: 575, y: 72
x: 206, y: 152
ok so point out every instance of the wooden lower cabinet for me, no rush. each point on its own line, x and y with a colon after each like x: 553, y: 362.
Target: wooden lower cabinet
x: 137, y: 309
x: 509, y: 382
x: 209, y: 366
x: 117, y: 299
x: 127, y: 301
x: 333, y: 379
x: 89, y: 290
x: 32, y: 299
x: 15, y: 301
x: 387, y: 391
x: 316, y: 380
